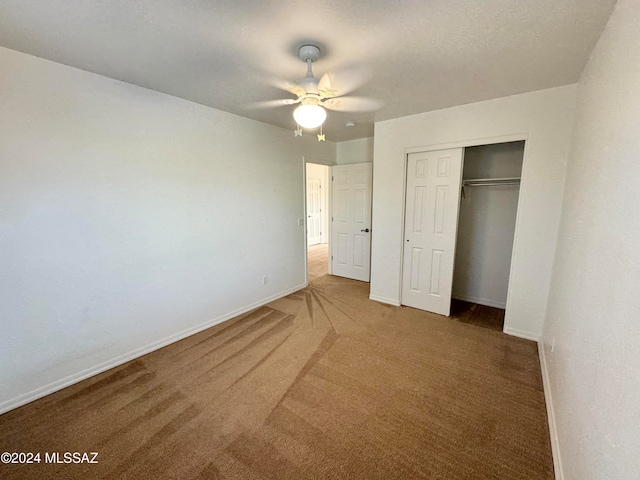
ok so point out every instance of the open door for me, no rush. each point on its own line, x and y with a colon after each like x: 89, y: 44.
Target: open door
x: 351, y: 221
x: 430, y: 228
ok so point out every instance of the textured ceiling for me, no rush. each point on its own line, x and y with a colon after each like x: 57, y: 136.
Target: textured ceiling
x: 423, y: 54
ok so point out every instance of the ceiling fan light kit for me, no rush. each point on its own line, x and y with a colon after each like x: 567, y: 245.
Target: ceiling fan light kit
x: 309, y: 115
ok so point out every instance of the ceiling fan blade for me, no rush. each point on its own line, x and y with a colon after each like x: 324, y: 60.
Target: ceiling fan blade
x: 286, y: 86
x: 272, y: 103
x: 341, y: 82
x: 352, y: 104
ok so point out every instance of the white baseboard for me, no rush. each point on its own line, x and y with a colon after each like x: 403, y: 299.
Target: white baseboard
x: 480, y: 301
x: 388, y: 301
x: 551, y: 416
x: 522, y: 334
x: 138, y: 352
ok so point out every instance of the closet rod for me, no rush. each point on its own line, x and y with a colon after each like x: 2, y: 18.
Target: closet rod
x: 490, y: 182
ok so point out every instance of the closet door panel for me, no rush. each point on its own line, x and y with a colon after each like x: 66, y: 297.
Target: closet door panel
x: 431, y: 220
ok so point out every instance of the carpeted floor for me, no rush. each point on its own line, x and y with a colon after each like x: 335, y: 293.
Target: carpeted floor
x: 317, y: 260
x: 324, y: 383
x: 480, y: 315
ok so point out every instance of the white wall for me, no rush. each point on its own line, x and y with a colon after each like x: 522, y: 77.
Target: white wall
x: 130, y: 218
x: 486, y: 225
x: 544, y: 117
x: 594, y: 303
x: 354, y: 151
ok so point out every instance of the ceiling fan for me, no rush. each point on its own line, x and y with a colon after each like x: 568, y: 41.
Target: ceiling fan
x: 315, y: 95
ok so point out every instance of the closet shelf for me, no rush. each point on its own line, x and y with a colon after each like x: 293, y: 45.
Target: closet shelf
x: 490, y: 182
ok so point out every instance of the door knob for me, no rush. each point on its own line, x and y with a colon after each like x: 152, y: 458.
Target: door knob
x: 366, y: 230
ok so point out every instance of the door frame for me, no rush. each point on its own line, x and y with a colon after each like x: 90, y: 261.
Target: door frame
x: 477, y: 142
x: 322, y: 207
x: 328, y: 192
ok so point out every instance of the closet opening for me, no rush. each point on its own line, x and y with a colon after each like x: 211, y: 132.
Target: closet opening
x: 486, y: 227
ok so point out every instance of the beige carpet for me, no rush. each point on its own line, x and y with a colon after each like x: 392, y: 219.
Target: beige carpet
x: 317, y: 260
x: 321, y: 384
x: 480, y: 315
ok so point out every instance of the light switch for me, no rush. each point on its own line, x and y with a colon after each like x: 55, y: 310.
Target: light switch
x: 301, y: 222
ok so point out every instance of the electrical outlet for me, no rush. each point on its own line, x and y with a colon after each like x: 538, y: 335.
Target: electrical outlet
x: 265, y: 279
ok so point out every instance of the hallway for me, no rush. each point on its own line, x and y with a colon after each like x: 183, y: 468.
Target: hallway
x: 318, y: 259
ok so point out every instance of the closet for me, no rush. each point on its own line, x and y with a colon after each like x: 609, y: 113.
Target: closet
x: 486, y: 223
x: 459, y: 225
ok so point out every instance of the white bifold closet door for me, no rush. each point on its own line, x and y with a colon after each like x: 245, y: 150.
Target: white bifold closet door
x: 430, y: 230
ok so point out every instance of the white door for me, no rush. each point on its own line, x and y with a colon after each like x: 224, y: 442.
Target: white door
x: 430, y: 227
x: 314, y: 211
x: 351, y: 221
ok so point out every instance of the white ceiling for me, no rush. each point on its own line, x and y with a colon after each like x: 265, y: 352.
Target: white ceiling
x: 423, y: 54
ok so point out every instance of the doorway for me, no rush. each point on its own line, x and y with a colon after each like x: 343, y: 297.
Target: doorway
x: 460, y: 216
x: 317, y: 221
x: 338, y: 220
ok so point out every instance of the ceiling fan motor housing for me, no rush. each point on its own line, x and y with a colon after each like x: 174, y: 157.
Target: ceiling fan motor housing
x: 309, y: 52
